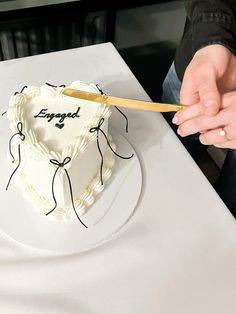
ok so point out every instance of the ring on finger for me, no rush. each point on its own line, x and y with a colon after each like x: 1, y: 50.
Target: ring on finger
x: 223, y: 132
x: 214, y: 136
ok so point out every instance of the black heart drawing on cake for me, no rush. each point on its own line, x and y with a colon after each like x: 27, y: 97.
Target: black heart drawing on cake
x: 59, y: 125
x: 49, y: 157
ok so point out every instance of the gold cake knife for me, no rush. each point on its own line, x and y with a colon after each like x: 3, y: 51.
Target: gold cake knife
x: 122, y: 102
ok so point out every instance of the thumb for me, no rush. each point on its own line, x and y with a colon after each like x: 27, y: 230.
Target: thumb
x: 209, y: 95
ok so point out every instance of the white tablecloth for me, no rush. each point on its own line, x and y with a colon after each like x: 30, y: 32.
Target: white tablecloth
x: 176, y: 255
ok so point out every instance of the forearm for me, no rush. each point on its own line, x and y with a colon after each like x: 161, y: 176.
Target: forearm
x: 201, y: 6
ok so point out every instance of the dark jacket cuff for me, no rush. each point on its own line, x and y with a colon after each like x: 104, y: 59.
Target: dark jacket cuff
x: 213, y: 28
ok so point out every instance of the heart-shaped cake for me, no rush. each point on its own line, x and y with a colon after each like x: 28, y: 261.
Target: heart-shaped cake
x: 59, y: 152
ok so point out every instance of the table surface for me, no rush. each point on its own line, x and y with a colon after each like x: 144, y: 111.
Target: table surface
x: 177, y: 253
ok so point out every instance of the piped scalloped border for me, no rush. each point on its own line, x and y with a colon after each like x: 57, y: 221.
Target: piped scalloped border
x: 82, y: 204
x: 78, y: 145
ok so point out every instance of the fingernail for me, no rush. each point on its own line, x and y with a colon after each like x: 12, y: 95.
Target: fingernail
x: 179, y: 131
x: 202, y: 140
x: 175, y: 120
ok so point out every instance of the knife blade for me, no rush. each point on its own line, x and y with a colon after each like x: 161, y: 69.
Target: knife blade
x: 122, y: 102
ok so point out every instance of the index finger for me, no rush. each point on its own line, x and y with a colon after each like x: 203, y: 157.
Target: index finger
x: 187, y: 113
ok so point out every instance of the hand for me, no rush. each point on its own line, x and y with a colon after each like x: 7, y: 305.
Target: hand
x: 220, y: 130
x: 211, y: 73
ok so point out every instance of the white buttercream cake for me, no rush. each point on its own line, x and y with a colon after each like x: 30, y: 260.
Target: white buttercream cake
x: 59, y: 154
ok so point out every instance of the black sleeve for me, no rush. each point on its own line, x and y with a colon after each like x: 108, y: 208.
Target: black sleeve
x: 213, y: 21
x: 208, y: 22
